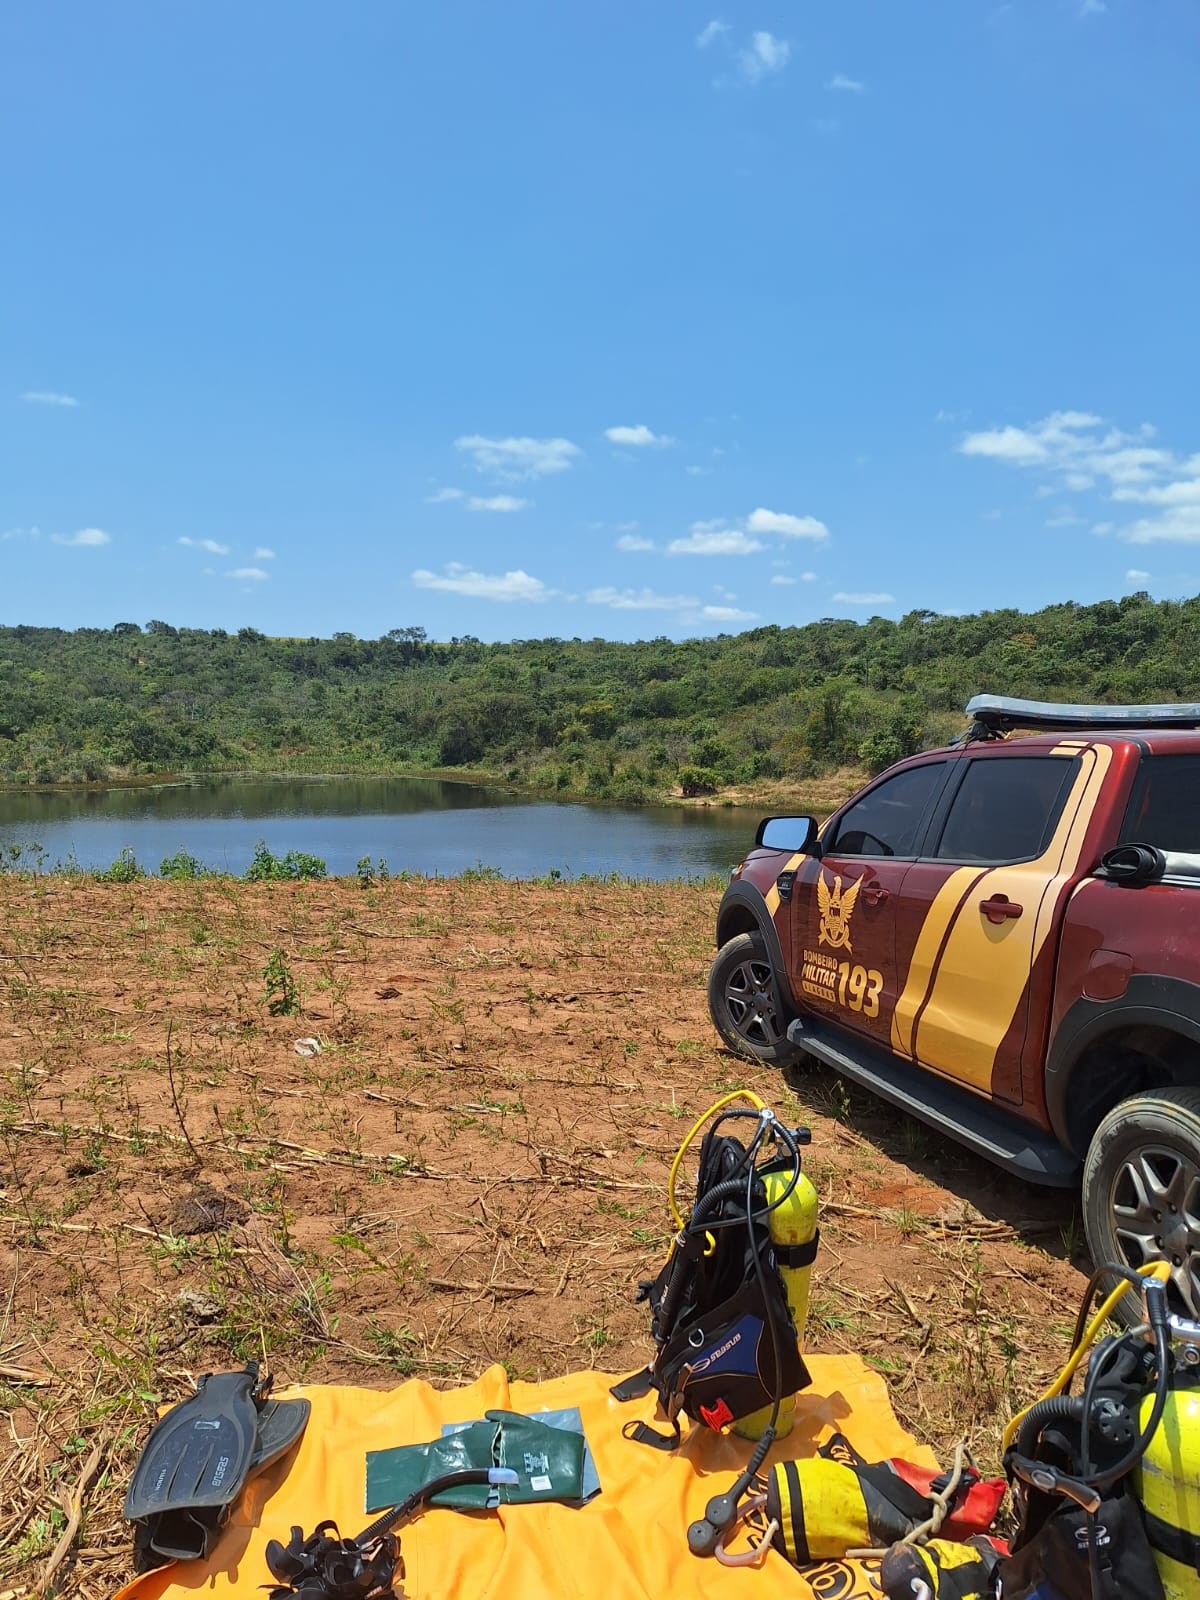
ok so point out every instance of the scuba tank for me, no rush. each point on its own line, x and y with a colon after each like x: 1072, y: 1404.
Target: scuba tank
x: 1167, y: 1478
x: 792, y: 1224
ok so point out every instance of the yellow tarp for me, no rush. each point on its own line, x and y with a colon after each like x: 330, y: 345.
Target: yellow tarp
x: 627, y: 1544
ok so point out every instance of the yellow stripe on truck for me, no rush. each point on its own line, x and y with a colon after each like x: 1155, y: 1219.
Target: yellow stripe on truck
x: 921, y: 969
x: 1006, y: 953
x: 772, y: 895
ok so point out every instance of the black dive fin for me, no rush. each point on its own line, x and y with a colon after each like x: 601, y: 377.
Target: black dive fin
x: 280, y: 1424
x: 185, y: 1533
x: 198, y: 1457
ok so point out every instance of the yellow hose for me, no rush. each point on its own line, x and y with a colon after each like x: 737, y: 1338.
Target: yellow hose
x: 1156, y: 1269
x: 726, y: 1100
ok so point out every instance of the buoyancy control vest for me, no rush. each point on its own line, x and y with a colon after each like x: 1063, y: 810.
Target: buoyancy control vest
x: 726, y: 1341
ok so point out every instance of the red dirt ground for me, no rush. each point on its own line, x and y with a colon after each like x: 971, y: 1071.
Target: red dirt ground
x: 471, y: 1170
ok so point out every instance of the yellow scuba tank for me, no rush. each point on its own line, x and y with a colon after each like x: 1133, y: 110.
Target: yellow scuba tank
x: 1167, y: 1480
x: 793, y: 1229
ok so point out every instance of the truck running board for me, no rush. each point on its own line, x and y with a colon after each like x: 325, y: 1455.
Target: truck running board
x: 981, y: 1125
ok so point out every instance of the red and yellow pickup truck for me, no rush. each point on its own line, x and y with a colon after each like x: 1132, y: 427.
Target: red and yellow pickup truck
x: 1003, y: 938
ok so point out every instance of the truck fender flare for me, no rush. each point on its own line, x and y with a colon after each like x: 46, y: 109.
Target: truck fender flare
x: 1148, y: 1001
x: 742, y: 910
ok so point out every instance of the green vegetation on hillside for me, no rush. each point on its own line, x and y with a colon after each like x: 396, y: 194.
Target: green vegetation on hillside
x: 577, y: 716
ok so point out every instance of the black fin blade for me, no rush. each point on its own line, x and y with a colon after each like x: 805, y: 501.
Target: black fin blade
x: 198, y: 1454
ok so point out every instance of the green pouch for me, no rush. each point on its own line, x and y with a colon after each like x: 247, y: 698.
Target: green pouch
x: 548, y: 1463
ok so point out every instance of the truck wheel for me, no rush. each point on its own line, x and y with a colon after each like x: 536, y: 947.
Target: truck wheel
x: 1141, y: 1192
x: 741, y: 1001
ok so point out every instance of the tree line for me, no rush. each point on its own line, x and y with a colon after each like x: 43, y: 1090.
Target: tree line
x: 587, y: 717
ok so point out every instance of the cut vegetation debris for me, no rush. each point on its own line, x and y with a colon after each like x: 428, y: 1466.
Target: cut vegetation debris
x: 472, y: 1170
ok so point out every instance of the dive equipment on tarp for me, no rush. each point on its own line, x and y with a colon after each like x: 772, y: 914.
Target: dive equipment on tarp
x: 942, y: 1570
x: 547, y: 1464
x: 1167, y: 1478
x: 325, y: 1566
x: 836, y: 1504
x: 198, y: 1456
x: 727, y: 1345
x: 792, y: 1224
x: 1072, y: 1460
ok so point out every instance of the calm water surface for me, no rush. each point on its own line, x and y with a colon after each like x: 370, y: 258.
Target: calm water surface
x: 417, y: 824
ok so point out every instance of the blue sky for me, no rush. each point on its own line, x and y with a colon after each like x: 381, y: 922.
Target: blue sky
x: 575, y: 319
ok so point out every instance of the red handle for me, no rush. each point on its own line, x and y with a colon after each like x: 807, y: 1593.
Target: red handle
x: 875, y: 895
x: 1000, y: 908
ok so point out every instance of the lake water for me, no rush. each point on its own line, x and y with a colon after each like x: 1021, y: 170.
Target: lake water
x: 417, y: 824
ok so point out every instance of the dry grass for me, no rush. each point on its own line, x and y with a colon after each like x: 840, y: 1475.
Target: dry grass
x: 471, y: 1170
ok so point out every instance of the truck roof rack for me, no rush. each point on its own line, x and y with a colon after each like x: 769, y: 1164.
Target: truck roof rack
x: 993, y: 715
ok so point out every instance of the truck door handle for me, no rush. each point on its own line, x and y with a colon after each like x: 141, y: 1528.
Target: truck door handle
x: 875, y: 894
x: 1000, y: 908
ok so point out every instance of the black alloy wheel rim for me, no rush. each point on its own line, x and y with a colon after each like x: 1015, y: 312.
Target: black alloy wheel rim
x: 750, y: 1001
x: 1155, y: 1210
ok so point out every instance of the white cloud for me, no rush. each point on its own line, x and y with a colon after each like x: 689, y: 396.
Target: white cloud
x: 1091, y: 8
x: 638, y: 435
x: 856, y: 599
x: 1136, y: 575
x: 705, y: 541
x: 211, y: 545
x: 764, y: 55
x: 264, y: 554
x: 726, y: 614
x: 1078, y: 451
x: 714, y: 30
x: 840, y: 81
x: 1064, y: 519
x: 1102, y: 529
x: 808, y: 577
x: 249, y: 574
x: 1183, y: 492
x: 1005, y: 444
x: 455, y: 578
x: 86, y: 538
x: 441, y: 497
x: 1179, y: 525
x: 47, y: 397
x: 641, y: 600
x: 497, y: 502
x: 519, y: 458
x: 20, y: 533
x: 782, y: 522
x: 634, y: 541
x: 782, y: 580
x: 698, y: 472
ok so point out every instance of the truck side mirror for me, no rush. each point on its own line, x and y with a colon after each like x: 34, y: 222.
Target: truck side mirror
x: 1133, y: 864
x: 793, y: 834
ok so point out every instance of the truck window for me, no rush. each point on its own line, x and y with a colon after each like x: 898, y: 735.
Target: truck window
x: 1164, y: 808
x: 1006, y: 809
x: 887, y: 821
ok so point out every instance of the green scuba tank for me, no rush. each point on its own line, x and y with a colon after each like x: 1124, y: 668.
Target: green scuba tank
x: 1167, y: 1480
x: 793, y: 1230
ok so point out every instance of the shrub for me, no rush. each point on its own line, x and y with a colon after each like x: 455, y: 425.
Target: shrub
x: 696, y: 781
x: 283, y: 994
x: 269, y: 868
x: 125, y: 869
x: 183, y: 865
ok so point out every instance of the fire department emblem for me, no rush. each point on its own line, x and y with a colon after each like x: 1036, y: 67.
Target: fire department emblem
x: 836, y: 906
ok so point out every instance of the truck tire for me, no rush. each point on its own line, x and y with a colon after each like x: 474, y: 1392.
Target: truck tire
x: 1141, y: 1192
x: 742, y: 1002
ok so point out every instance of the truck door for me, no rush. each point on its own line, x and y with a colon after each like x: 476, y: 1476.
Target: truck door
x: 843, y: 927
x: 986, y: 900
